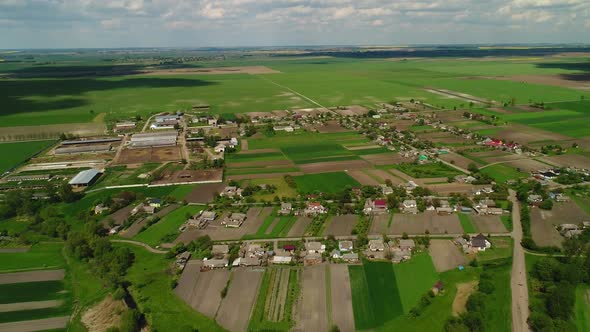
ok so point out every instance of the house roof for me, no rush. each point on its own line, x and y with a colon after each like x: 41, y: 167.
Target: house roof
x: 352, y: 255
x: 380, y: 202
x: 85, y: 177
x: 345, y: 245
x: 407, y: 243
x: 313, y: 245
x: 479, y: 241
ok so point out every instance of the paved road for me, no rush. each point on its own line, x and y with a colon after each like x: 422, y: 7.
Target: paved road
x: 141, y: 244
x: 518, y: 280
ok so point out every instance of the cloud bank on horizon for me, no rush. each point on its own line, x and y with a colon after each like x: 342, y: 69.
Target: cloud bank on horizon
x: 196, y: 23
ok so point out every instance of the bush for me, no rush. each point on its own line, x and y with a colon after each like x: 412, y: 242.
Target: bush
x: 119, y: 293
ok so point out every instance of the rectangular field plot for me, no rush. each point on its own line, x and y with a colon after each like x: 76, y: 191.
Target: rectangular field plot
x: 15, y: 153
x: 166, y: 230
x: 306, y: 154
x: 312, y: 309
x: 240, y: 295
x: 414, y: 279
x: 341, y: 297
x: 40, y: 256
x: 375, y: 294
x: 324, y: 182
x: 276, y: 297
x: 420, y: 223
x: 341, y: 225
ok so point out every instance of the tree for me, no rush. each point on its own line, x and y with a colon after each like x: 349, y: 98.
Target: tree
x: 472, y: 167
x: 560, y: 303
x: 546, y: 204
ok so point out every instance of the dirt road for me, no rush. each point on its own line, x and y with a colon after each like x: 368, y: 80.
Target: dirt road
x: 518, y: 282
x: 141, y: 244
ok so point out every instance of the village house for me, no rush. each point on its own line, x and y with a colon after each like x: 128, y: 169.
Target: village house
x: 376, y: 245
x: 285, y: 209
x: 464, y: 178
x: 409, y: 206
x: 409, y: 186
x: 235, y: 220
x: 212, y: 122
x: 345, y: 245
x: 219, y: 148
x: 255, y: 250
x: 312, y: 258
x: 201, y: 220
x: 534, y: 200
x: 464, y: 244
x: 215, y: 263
x: 487, y: 206
x: 406, y: 244
x: 351, y: 257
x: 149, y: 209
x: 100, y: 209
x: 560, y: 197
x: 155, y: 202
x: 386, y: 190
x: 219, y: 250
x: 314, y: 208
x: 138, y: 208
x: 480, y: 242
x: 399, y: 255
x: 377, y: 206
x: 231, y: 191
x: 444, y: 208
x: 281, y: 259
x: 315, y: 247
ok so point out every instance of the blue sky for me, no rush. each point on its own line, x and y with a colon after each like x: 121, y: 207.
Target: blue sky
x: 200, y: 23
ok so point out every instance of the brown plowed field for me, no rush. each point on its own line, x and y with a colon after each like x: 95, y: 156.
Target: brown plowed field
x: 574, y: 160
x: 576, y: 81
x: 331, y: 127
x: 299, y: 227
x: 118, y: 216
x: 527, y: 165
x: 262, y: 176
x: 261, y: 163
x: 30, y: 305
x: 244, y: 145
x: 341, y: 296
x: 362, y: 178
x: 202, y: 290
x: 379, y: 224
x: 149, y: 155
x: 31, y: 276
x: 421, y: 222
x: 362, y: 147
x: 312, y: 308
x: 341, y: 225
x: 384, y: 158
x: 204, y: 193
x: 55, y: 323
x: 188, y: 176
x: 447, y: 188
x: 242, y: 293
x: 446, y: 255
x: 524, y: 135
x: 543, y: 222
x: 333, y: 166
x: 458, y: 159
x: 254, y: 70
x: 384, y: 175
x: 488, y: 224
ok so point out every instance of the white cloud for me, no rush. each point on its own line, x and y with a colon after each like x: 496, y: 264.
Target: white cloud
x: 212, y: 12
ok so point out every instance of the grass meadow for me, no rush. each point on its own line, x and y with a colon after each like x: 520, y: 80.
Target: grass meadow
x: 466, y: 223
x: 582, y: 308
x: 167, y: 226
x: 15, y: 153
x: 324, y: 182
x: 502, y: 173
x: 40, y: 256
x: 414, y: 279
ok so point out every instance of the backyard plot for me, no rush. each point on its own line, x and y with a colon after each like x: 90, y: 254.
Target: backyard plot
x: 446, y: 255
x: 380, y: 223
x: 204, y: 193
x: 139, y: 225
x: 202, y: 290
x: 312, y: 308
x: 567, y: 160
x: 325, y: 182
x: 384, y: 176
x: 384, y: 158
x: 166, y: 230
x: 40, y: 256
x: 333, y: 166
x: 427, y: 221
x: 363, y: 178
x: 414, y: 279
x: 341, y: 225
x: 341, y: 297
x: 543, y: 222
x: 241, y: 295
x: 275, y: 301
x: 488, y: 224
x: 298, y: 229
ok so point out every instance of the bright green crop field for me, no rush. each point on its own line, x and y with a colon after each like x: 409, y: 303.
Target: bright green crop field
x: 15, y: 153
x: 324, y: 182
x: 167, y: 226
x: 40, y: 256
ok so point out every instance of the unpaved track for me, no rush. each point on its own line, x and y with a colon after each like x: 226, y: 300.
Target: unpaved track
x: 32, y: 276
x: 463, y: 291
x: 236, y: 307
x: 29, y: 305
x: 341, y: 296
x: 36, y: 325
x: 518, y: 280
x: 141, y: 244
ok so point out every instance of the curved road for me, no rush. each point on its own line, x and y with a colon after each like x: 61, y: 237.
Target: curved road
x: 518, y: 279
x: 141, y: 244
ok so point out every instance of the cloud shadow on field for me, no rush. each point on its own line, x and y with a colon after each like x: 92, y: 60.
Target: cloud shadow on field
x: 20, y: 96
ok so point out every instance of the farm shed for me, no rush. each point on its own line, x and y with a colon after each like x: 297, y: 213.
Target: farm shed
x: 93, y: 148
x: 32, y: 177
x: 85, y: 178
x: 165, y: 138
x: 92, y: 141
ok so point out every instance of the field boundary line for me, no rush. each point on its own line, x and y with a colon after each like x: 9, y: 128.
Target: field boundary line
x: 295, y: 92
x: 329, y: 296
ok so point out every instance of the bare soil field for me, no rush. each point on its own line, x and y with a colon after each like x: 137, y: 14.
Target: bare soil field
x: 30, y: 305
x: 447, y: 188
x: 341, y: 225
x: 284, y: 163
x: 362, y: 178
x: 136, y: 227
x: 299, y: 227
x: 401, y: 175
x: 55, y: 323
x: 341, y: 297
x: 442, y: 137
x: 312, y: 308
x: 543, y: 222
x: 103, y: 315
x: 191, y: 176
x: 450, y: 116
x: 149, y: 155
x: 457, y: 159
x: 379, y: 224
x: 31, y: 276
x: 384, y: 175
x: 362, y: 147
x: 51, y: 131
x: 256, y: 151
x: 244, y: 145
x: 463, y: 291
x: 524, y: 135
x: 562, y: 80
x: 488, y: 224
x: 333, y: 166
x: 446, y: 255
x: 419, y: 223
x: 204, y: 193
x: 202, y: 290
x: 241, y: 295
x: 384, y: 158
x: 118, y: 216
x: 330, y: 127
x: 566, y: 160
x: 506, y: 158
x: 263, y: 175
x: 527, y: 165
x: 253, y: 70
x: 352, y: 110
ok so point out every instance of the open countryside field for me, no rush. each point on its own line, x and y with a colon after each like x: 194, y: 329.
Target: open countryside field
x: 16, y: 153
x: 414, y: 279
x: 40, y: 256
x: 324, y: 182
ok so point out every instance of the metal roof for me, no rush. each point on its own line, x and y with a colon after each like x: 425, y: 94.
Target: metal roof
x: 85, y: 177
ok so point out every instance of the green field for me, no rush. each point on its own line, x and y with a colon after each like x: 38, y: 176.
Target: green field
x: 502, y: 173
x: 325, y: 182
x: 30, y: 291
x: 582, y: 308
x: 15, y: 153
x: 120, y: 175
x: 466, y: 223
x: 167, y: 226
x: 430, y: 170
x: 375, y: 294
x: 254, y: 157
x: 414, y: 279
x: 40, y: 256
x: 282, y: 188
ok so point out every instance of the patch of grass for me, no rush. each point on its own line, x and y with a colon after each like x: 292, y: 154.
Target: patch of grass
x: 466, y: 223
x: 16, y: 153
x: 30, y: 291
x: 150, y: 285
x: 430, y: 170
x: 582, y: 308
x: 325, y: 182
x: 361, y: 304
x: 282, y: 188
x: 501, y: 248
x: 169, y: 224
x: 40, y: 256
x: 14, y: 225
x: 414, y: 279
x: 502, y: 173
x: 308, y: 153
x: 507, y: 222
x: 254, y: 157
x: 498, y: 310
